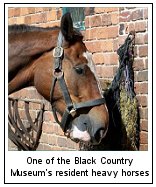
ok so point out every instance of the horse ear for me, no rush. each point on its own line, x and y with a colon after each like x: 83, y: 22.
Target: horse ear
x: 67, y: 26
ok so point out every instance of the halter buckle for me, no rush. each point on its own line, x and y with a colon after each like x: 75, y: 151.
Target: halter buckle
x: 58, y: 52
x: 72, y: 112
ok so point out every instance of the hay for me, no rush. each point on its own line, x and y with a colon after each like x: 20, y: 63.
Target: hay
x: 129, y: 116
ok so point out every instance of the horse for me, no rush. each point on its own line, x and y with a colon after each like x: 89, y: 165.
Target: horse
x: 57, y: 63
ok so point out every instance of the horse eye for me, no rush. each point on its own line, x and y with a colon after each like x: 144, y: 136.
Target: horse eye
x: 79, y: 70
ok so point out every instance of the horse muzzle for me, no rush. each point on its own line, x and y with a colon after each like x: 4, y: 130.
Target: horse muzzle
x: 86, y: 130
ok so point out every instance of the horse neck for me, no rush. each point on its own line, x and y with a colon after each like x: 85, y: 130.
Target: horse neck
x: 27, y: 46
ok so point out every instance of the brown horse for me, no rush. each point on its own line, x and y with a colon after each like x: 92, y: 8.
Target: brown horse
x: 62, y: 75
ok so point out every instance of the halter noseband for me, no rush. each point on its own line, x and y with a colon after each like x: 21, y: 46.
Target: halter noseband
x: 71, y: 108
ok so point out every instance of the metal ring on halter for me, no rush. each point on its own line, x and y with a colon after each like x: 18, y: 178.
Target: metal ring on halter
x: 58, y: 74
x: 58, y: 52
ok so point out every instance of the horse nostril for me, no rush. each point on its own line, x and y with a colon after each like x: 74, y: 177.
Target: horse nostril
x: 102, y: 132
x: 99, y: 134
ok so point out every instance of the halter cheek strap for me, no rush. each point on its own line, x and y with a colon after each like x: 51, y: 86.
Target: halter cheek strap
x: 58, y: 74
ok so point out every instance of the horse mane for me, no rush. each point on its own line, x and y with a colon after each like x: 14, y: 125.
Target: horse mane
x: 22, y: 28
x: 28, y: 28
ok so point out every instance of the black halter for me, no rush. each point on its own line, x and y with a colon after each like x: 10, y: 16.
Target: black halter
x: 71, y: 108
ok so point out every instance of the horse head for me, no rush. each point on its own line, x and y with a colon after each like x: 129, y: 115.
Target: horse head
x: 90, y: 122
x: 64, y: 75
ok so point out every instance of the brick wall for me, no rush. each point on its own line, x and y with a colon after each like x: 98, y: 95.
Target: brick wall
x: 106, y: 30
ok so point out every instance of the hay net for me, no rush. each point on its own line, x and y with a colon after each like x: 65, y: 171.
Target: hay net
x: 122, y: 88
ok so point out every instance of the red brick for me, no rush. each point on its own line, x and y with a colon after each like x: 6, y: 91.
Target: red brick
x: 137, y: 14
x: 31, y: 10
x: 141, y: 88
x: 106, y: 71
x: 39, y: 18
x: 110, y: 58
x: 139, y: 38
x: 114, y: 18
x: 99, y: 46
x: 17, y: 12
x: 121, y: 39
x: 48, y: 116
x: 99, y: 9
x: 59, y: 130
x: 112, y: 31
x: 59, y: 13
x: 111, y: 9
x: 146, y: 13
x: 10, y: 12
x: 98, y: 58
x: 143, y: 51
x: 87, y: 21
x: 12, y: 21
x: 38, y: 9
x: 102, y: 33
x: 20, y: 20
x: 135, y: 51
x: 40, y: 147
x: 139, y: 64
x: 48, y: 128
x: 124, y: 16
x: 22, y: 114
x: 21, y: 104
x: 130, y: 27
x: 24, y: 11
x: 141, y: 76
x: 146, y: 63
x: 62, y: 141
x: 115, y: 44
x: 140, y: 26
x: 48, y: 8
x: 91, y: 34
x: 143, y: 147
x: 142, y: 100
x: 107, y: 46
x: 33, y: 114
x: 106, y: 20
x: 44, y: 138
x: 143, y: 112
x: 125, y: 13
x: 143, y: 137
x: 56, y: 148
x: 146, y: 38
x: 48, y: 147
x: 27, y: 20
x: 52, y: 140
x: 51, y: 15
x: 95, y: 21
x: 143, y: 125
